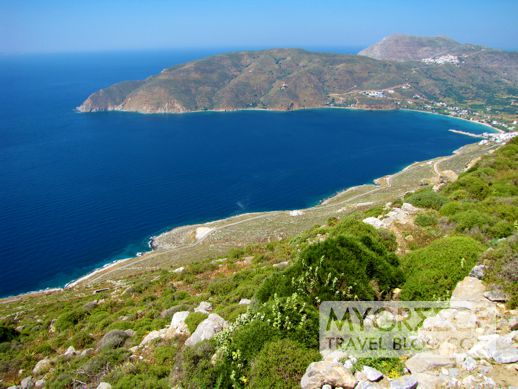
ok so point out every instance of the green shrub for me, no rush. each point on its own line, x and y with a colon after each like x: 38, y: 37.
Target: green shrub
x: 433, y: 271
x: 502, y: 268
x: 426, y: 220
x: 281, y: 364
x: 231, y: 312
x: 249, y: 339
x: 473, y: 186
x: 165, y: 354
x: 194, y: 319
x: 426, y: 198
x: 70, y: 318
x: 197, y: 368
x: 294, y: 317
x: 353, y: 263
x: 467, y: 220
x: 390, y: 367
x: 7, y: 333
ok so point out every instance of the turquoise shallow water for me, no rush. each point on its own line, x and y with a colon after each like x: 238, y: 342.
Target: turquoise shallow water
x: 79, y: 190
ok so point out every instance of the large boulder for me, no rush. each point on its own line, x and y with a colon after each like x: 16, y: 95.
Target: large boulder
x: 426, y: 361
x: 207, y: 329
x: 499, y: 348
x: 178, y: 326
x: 42, y: 366
x: 478, y: 271
x: 27, y: 383
x: 204, y: 307
x: 468, y: 292
x: 70, y: 353
x: 113, y: 339
x: 372, y: 374
x: 152, y: 336
x: 405, y: 382
x: 40, y: 384
x: 327, y: 372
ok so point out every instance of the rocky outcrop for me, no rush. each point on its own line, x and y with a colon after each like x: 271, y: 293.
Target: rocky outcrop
x: 207, y: 329
x: 42, y: 366
x: 178, y: 326
x: 204, y: 307
x: 113, y: 339
x: 327, y: 373
x: 403, y: 215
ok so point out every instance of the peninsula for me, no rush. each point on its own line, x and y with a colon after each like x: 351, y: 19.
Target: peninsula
x: 430, y: 74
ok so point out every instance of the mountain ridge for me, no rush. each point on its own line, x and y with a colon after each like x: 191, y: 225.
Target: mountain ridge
x: 432, y: 70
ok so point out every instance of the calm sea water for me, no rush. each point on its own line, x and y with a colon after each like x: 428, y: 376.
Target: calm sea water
x: 79, y: 190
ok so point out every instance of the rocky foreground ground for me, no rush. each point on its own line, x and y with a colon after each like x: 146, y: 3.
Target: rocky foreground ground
x: 488, y: 360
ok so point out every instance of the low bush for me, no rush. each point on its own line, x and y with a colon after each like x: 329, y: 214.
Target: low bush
x: 426, y: 198
x: 194, y: 319
x: 281, y: 364
x: 353, y: 263
x: 502, y: 268
x: 7, y: 333
x: 426, y: 220
x: 470, y: 186
x: 390, y: 367
x: 432, y: 272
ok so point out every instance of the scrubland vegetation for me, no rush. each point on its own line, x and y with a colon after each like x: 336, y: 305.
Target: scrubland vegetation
x: 270, y: 342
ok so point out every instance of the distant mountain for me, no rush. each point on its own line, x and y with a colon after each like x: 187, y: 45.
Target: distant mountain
x: 416, y: 48
x: 285, y: 79
x: 442, y: 50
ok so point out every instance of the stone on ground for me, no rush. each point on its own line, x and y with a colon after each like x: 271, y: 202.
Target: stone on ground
x: 327, y: 372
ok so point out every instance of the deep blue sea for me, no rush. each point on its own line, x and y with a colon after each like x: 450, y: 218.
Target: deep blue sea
x: 80, y: 190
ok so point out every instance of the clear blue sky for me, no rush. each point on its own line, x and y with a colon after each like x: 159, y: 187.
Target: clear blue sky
x: 70, y: 25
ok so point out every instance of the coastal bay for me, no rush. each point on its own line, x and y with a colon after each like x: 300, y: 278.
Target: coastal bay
x: 88, y: 189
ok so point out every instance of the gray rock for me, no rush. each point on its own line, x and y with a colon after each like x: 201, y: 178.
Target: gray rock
x: 366, y: 385
x: 496, y: 296
x: 52, y: 326
x: 204, y: 307
x: 178, y: 326
x: 13, y: 387
x: 42, y: 366
x: 130, y: 332
x: 469, y: 364
x: 104, y: 385
x: 327, y: 386
x: 39, y: 384
x: 281, y: 264
x: 405, y: 382
x: 245, y: 302
x: 506, y: 355
x: 326, y: 372
x: 91, y: 305
x: 373, y: 221
x: 426, y: 361
x: 70, y: 353
x: 431, y: 381
x: 372, y: 374
x: 152, y: 336
x: 169, y: 312
x: 27, y: 383
x: 409, y: 208
x: 179, y: 269
x: 113, y: 339
x: 334, y: 356
x: 207, y: 329
x: 478, y: 271
x: 86, y: 352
